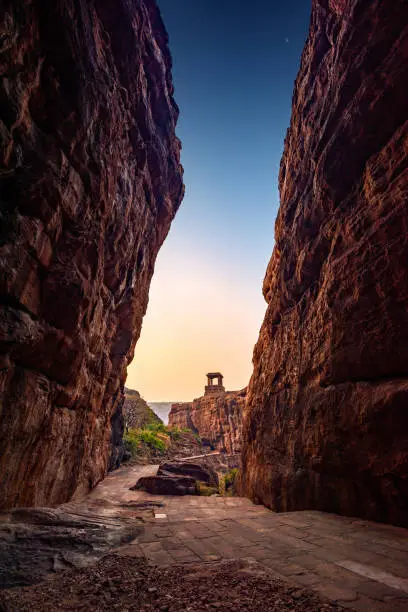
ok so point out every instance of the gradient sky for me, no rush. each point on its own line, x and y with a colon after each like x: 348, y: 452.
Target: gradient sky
x: 234, y: 66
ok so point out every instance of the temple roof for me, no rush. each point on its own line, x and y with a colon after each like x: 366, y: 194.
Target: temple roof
x: 214, y: 375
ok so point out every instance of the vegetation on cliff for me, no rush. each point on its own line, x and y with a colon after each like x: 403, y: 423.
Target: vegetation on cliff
x: 136, y: 413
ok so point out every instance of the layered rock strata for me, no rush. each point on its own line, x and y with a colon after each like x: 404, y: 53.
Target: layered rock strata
x: 326, y: 422
x: 216, y: 418
x: 91, y: 181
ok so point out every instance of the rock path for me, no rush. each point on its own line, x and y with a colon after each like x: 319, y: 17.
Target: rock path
x: 359, y: 564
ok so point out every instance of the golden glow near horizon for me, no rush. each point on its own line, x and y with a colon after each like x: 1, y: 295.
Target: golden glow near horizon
x: 200, y: 318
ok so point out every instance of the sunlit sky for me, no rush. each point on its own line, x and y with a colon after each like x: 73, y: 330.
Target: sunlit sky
x: 234, y: 66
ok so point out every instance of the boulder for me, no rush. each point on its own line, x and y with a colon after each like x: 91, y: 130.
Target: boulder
x: 198, y: 471
x: 167, y: 485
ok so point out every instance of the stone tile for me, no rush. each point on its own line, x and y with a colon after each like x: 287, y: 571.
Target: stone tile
x: 147, y: 536
x: 332, y: 592
x: 309, y: 562
x: 340, y: 576
x: 261, y: 552
x: 160, y: 558
x: 216, y: 526
x: 308, y: 579
x: 222, y: 547
x: 132, y: 550
x: 382, y: 592
x: 365, y: 604
x: 375, y: 574
x: 184, y: 555
x: 170, y: 544
x: 331, y: 555
x: 150, y: 546
x: 291, y: 569
x: 293, y: 544
x: 204, y: 549
x: 294, y: 522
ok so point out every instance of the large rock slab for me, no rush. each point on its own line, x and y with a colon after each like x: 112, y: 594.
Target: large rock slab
x: 90, y: 183
x: 326, y: 422
x: 201, y: 471
x: 167, y: 484
x: 37, y: 542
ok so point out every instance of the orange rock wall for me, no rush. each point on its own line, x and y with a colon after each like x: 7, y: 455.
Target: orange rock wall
x: 90, y: 183
x: 326, y: 423
x: 216, y: 418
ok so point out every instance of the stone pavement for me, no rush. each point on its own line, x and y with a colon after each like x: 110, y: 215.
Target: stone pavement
x: 360, y: 564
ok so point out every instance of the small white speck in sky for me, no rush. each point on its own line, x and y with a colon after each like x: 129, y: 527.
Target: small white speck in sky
x: 286, y: 40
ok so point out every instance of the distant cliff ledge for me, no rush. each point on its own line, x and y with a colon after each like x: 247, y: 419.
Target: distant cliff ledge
x: 326, y: 423
x: 216, y: 417
x: 90, y: 182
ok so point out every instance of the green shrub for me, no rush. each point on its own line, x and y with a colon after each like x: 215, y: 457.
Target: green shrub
x: 135, y: 439
x: 174, y: 433
x: 152, y: 439
x: 156, y: 427
x: 227, y: 482
x: 131, y: 441
x: 205, y: 490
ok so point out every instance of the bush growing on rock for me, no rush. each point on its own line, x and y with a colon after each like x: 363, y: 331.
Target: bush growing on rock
x: 228, y: 482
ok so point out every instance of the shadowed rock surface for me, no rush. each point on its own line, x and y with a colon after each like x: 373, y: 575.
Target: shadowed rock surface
x: 216, y: 418
x: 199, y: 471
x: 167, y: 484
x: 90, y: 183
x: 326, y: 422
x: 37, y: 542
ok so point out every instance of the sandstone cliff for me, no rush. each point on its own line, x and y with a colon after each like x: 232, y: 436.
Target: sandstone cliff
x: 216, y: 418
x: 91, y: 180
x: 136, y: 412
x: 326, y: 423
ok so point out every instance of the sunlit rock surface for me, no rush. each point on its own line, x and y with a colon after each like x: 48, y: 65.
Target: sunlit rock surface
x: 216, y: 418
x: 91, y: 181
x: 326, y: 422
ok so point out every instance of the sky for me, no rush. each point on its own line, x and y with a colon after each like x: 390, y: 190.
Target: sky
x: 234, y: 67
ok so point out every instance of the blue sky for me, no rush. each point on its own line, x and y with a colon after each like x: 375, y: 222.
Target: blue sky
x: 234, y: 66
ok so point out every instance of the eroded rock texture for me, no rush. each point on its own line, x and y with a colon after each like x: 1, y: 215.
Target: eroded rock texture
x: 326, y: 424
x: 216, y: 418
x: 91, y: 180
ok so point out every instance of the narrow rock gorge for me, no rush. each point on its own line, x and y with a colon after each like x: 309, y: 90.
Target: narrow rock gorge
x: 215, y: 417
x: 326, y: 423
x: 90, y: 182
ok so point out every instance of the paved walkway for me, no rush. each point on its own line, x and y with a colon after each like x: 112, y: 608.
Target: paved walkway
x: 359, y: 564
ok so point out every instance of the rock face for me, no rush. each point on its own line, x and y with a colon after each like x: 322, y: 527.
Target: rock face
x: 136, y: 412
x: 326, y: 423
x: 216, y: 418
x: 91, y: 181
